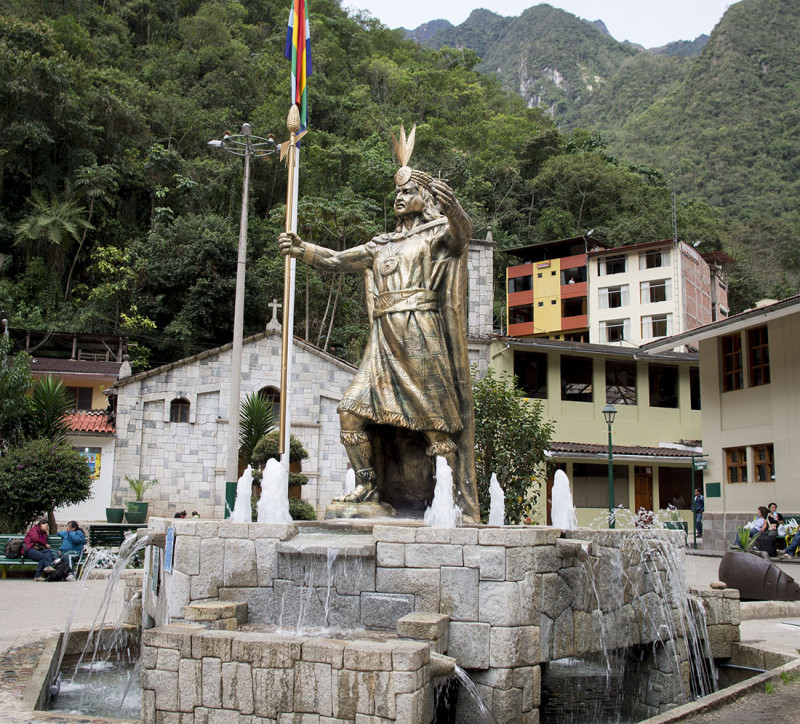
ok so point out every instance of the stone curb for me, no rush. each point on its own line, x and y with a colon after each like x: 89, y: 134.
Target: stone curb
x: 751, y: 610
x: 720, y: 698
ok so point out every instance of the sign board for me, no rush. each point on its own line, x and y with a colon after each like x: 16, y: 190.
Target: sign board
x: 155, y: 559
x: 169, y: 549
x: 713, y: 490
x: 699, y: 464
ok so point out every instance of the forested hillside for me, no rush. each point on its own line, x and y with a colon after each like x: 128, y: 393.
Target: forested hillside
x: 115, y: 216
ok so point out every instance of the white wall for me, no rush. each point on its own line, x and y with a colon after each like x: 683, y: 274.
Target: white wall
x: 95, y: 507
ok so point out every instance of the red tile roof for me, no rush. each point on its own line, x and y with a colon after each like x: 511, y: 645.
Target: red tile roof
x: 577, y: 448
x: 95, y: 421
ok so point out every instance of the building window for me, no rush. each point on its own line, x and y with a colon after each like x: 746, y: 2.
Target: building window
x: 656, y: 325
x: 552, y: 301
x: 758, y: 356
x: 732, y: 374
x: 573, y: 307
x: 539, y: 275
x: 80, y: 397
x: 764, y: 463
x: 520, y: 284
x: 615, y: 330
x: 576, y: 379
x: 614, y: 297
x: 612, y: 265
x: 694, y: 387
x: 652, y: 292
x: 736, y: 464
x: 653, y: 258
x: 530, y: 370
x: 273, y: 395
x: 520, y: 315
x: 621, y: 383
x: 179, y: 410
x: 590, y: 485
x: 663, y: 386
x: 573, y: 276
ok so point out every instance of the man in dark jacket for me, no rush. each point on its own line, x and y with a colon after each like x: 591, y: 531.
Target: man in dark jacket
x: 698, y: 506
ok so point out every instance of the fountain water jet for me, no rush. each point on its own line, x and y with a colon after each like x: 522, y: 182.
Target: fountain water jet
x: 273, y: 506
x: 563, y: 511
x: 497, y: 502
x: 443, y: 512
x: 242, y: 508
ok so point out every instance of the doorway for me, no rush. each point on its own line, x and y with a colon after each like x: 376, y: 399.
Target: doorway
x: 643, y: 487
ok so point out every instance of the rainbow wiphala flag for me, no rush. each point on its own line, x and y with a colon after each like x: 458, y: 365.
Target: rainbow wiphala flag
x: 298, y: 49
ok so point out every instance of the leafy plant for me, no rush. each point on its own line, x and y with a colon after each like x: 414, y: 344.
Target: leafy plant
x: 745, y: 539
x: 255, y: 421
x: 37, y: 477
x: 15, y: 382
x: 510, y: 440
x: 300, y: 510
x: 49, y: 404
x: 139, y: 486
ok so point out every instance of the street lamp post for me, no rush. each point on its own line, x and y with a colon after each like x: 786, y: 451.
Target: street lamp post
x: 248, y: 146
x: 609, y: 413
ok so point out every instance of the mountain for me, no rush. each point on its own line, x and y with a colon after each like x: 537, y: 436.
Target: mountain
x: 724, y: 122
x: 549, y: 56
x: 423, y: 32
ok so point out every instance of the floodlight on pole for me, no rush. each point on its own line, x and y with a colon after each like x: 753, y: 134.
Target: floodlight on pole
x: 248, y: 146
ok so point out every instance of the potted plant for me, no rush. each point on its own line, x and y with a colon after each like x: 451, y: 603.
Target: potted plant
x: 137, y: 509
x: 114, y: 515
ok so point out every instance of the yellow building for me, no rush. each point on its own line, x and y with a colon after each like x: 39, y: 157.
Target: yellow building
x: 655, y: 433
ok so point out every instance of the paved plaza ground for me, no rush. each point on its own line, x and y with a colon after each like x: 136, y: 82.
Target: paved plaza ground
x: 31, y: 612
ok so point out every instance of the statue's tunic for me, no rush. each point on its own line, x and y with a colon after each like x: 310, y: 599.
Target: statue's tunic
x: 405, y: 378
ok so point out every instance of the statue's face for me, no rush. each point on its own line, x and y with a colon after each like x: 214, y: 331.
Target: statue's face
x: 408, y: 200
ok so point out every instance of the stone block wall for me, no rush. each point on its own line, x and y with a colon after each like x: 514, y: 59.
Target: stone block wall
x: 509, y: 599
x: 191, y: 674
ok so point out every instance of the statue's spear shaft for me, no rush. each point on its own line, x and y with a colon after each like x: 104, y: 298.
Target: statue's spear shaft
x: 291, y: 152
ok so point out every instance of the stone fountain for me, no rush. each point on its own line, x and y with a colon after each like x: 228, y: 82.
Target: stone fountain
x: 277, y: 620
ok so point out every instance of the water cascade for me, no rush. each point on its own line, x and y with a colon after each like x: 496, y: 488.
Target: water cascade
x: 273, y: 507
x: 443, y: 512
x: 242, y: 508
x: 563, y: 511
x: 497, y: 502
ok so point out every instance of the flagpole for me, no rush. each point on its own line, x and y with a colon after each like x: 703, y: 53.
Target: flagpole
x: 293, y: 160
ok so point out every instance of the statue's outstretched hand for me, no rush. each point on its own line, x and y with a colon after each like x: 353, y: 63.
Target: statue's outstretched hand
x: 444, y: 195
x: 290, y: 244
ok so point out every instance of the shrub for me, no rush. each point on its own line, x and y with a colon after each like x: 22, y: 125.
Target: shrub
x: 38, y: 477
x: 300, y: 510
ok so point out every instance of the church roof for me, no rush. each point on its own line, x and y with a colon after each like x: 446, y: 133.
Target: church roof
x: 301, y: 343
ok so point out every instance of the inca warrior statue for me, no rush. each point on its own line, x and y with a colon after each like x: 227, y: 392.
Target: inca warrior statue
x: 415, y: 371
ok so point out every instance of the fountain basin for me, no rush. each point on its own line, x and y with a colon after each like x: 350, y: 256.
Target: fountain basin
x: 501, y: 601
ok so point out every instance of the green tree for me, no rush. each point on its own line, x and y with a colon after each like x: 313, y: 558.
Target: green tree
x: 511, y: 438
x: 16, y: 381
x: 38, y: 477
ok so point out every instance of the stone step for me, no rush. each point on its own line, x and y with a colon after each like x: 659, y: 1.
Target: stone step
x: 221, y: 615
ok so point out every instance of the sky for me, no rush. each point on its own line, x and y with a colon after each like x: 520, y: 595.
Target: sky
x: 651, y: 23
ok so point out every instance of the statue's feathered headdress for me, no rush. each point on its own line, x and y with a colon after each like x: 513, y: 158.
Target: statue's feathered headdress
x: 404, y: 148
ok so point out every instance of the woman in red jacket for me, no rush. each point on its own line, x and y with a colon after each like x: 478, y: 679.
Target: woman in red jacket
x: 38, y: 549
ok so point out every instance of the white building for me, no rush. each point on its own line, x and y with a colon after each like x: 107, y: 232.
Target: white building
x: 647, y: 291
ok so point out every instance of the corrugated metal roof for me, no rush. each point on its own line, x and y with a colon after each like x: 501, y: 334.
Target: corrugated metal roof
x: 59, y: 365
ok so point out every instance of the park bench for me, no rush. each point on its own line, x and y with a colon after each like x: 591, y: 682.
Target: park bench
x: 111, y: 535
x: 53, y: 540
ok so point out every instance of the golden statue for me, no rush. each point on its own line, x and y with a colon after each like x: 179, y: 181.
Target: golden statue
x: 415, y: 371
